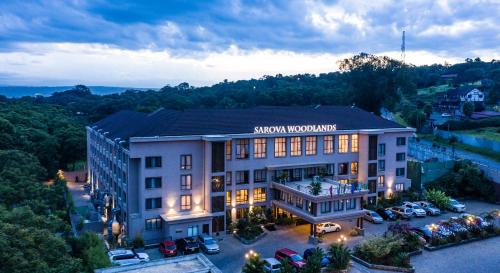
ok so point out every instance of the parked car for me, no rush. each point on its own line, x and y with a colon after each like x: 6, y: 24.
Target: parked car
x: 456, y: 206
x: 373, y: 217
x: 271, y: 265
x: 126, y: 257
x: 327, y: 227
x: 208, y: 244
x: 293, y: 257
x: 423, y: 232
x: 429, y: 208
x: 168, y: 248
x: 188, y: 245
x: 417, y: 211
x: 387, y: 214
x: 403, y: 212
x: 325, y: 261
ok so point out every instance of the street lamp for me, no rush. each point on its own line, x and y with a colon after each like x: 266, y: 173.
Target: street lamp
x: 342, y: 239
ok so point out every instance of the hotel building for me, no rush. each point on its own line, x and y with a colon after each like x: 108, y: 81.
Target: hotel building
x: 171, y: 174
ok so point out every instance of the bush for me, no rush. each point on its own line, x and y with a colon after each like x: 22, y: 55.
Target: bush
x: 138, y: 242
x: 402, y: 259
x: 457, y: 125
x: 248, y: 230
x: 380, y: 249
x: 79, y: 225
x: 339, y: 256
x: 438, y: 198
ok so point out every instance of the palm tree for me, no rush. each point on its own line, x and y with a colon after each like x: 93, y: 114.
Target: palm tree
x: 339, y: 256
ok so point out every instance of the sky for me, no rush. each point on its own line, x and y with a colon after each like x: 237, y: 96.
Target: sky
x: 152, y: 43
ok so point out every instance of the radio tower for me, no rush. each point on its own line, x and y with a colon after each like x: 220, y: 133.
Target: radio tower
x: 403, y: 48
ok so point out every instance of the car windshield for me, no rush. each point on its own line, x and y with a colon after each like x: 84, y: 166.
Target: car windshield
x: 210, y: 242
x: 296, y: 258
x: 388, y: 212
x: 416, y: 207
x: 170, y: 247
x: 454, y: 202
x: 430, y: 205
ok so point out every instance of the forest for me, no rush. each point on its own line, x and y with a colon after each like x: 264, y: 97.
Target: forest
x: 40, y: 135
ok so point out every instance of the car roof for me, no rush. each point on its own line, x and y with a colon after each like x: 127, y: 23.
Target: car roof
x: 272, y: 261
x: 287, y: 251
x: 120, y: 252
x: 205, y: 236
x: 168, y: 243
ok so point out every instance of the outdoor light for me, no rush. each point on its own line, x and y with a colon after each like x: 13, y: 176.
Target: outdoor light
x: 115, y: 227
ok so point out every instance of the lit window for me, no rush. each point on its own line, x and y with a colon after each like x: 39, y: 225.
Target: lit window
x: 186, y: 182
x: 242, y: 148
x: 354, y: 167
x: 259, y: 194
x: 185, y: 202
x: 153, y: 224
x: 259, y: 148
x: 228, y: 198
x: 354, y: 143
x: 241, y: 196
x: 296, y: 146
x: 229, y: 149
x: 217, y: 183
x: 279, y: 147
x: 381, y: 182
x: 343, y: 143
x: 310, y: 145
x: 328, y: 144
x: 186, y: 162
x: 399, y: 187
x: 350, y: 203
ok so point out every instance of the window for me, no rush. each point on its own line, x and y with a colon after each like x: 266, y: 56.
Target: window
x: 401, y: 141
x: 350, y: 203
x: 343, y: 143
x: 354, y: 167
x: 242, y: 177
x: 186, y: 202
x: 381, y: 182
x: 218, y: 203
x: 381, y: 149
x: 289, y: 198
x: 229, y: 149
x: 372, y: 147
x: 186, y: 162
x: 399, y: 187
x: 153, y: 224
x: 192, y: 231
x: 326, y: 207
x: 354, y: 143
x: 328, y: 145
x: 372, y: 169
x: 241, y: 212
x: 217, y: 183
x: 381, y: 165
x: 343, y: 168
x: 229, y: 178
x: 311, y: 145
x: 241, y: 196
x: 153, y: 161
x: 338, y: 205
x: 400, y: 171
x: 242, y: 148
x: 296, y: 146
x: 259, y: 176
x: 259, y: 148
x: 279, y: 147
x: 400, y: 156
x: 330, y: 169
x: 259, y: 195
x: 153, y: 182
x: 186, y: 182
x: 228, y: 198
x: 218, y: 157
x: 299, y: 202
x: 372, y: 186
x: 153, y: 203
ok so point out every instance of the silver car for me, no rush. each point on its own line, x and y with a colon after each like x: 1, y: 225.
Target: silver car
x: 208, y: 244
x: 429, y: 208
x: 373, y: 217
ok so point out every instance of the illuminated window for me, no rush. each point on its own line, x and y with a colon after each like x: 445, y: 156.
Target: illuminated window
x: 344, y: 181
x: 354, y: 143
x: 343, y: 143
x: 328, y: 144
x: 259, y: 148
x: 186, y: 182
x: 259, y: 194
x: 296, y: 146
x: 217, y: 183
x: 338, y: 205
x: 153, y: 224
x: 242, y: 148
x: 381, y: 182
x: 228, y: 198
x: 186, y: 202
x: 279, y: 147
x: 241, y: 196
x: 186, y: 162
x: 354, y: 167
x: 399, y: 187
x: 311, y: 145
x: 229, y: 149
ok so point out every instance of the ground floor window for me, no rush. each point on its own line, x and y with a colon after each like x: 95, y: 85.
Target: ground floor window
x: 259, y: 195
x: 399, y: 187
x: 338, y: 205
x: 218, y: 223
x: 153, y: 224
x: 193, y: 231
x: 350, y: 203
x: 326, y: 207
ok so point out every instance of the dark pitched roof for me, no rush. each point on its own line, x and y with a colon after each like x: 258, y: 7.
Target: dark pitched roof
x: 164, y: 122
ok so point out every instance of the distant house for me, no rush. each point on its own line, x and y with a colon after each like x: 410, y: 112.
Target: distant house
x: 454, y: 98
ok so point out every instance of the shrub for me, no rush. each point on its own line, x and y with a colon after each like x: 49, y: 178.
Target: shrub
x: 254, y: 264
x: 380, y: 250
x: 138, y: 242
x: 248, y: 230
x: 339, y: 256
x: 354, y: 232
x: 313, y: 264
x: 79, y: 225
x: 437, y: 198
x: 402, y: 259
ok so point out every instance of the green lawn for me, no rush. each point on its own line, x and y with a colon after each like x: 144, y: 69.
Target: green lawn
x: 488, y: 153
x: 433, y: 90
x: 490, y: 133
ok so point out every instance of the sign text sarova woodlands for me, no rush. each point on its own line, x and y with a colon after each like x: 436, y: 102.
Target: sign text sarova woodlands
x: 325, y: 128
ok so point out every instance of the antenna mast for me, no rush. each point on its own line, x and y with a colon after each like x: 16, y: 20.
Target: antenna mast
x: 403, y: 48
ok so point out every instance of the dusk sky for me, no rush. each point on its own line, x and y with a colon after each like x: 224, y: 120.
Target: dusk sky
x: 154, y: 43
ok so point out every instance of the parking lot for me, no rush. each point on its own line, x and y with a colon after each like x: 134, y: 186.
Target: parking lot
x: 231, y: 258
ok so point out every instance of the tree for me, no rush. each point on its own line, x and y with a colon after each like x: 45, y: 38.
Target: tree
x: 254, y: 264
x: 428, y: 110
x: 286, y: 267
x: 315, y: 187
x: 468, y: 109
x: 339, y: 256
x: 313, y: 264
x: 438, y: 198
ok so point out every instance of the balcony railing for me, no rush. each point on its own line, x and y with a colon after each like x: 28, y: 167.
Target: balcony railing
x: 329, y: 187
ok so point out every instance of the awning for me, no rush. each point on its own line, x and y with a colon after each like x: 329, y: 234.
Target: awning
x: 178, y: 218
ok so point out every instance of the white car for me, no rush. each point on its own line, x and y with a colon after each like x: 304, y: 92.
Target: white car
x: 126, y: 257
x: 208, y: 244
x: 429, y: 208
x: 416, y: 209
x: 271, y: 265
x: 456, y: 206
x: 327, y: 227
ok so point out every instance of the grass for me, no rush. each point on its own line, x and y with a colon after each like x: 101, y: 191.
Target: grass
x: 399, y: 119
x: 433, y: 90
x: 490, y: 133
x: 484, y: 152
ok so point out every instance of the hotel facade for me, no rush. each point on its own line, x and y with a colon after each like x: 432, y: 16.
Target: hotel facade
x: 171, y: 174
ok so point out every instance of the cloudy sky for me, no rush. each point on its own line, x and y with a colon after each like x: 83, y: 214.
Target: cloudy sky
x: 152, y: 43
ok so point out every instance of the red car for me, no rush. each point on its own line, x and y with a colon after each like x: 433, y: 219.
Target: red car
x: 168, y: 248
x: 293, y: 257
